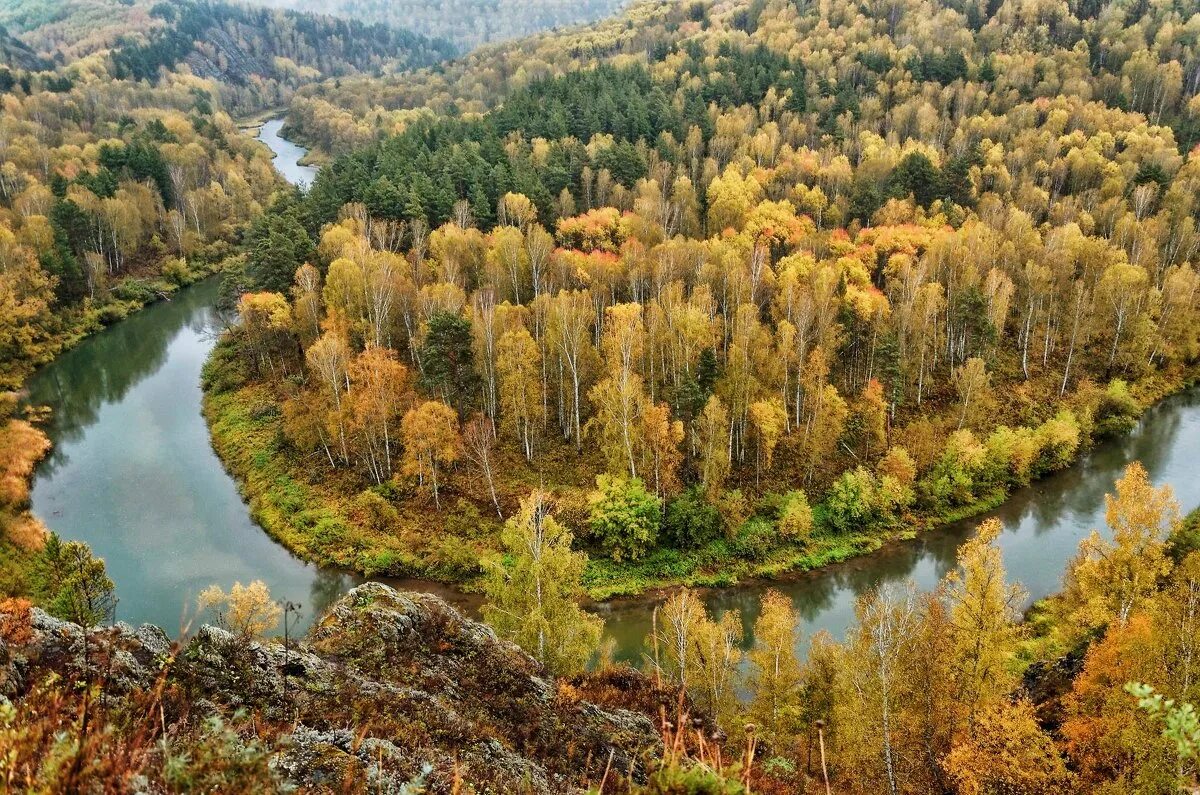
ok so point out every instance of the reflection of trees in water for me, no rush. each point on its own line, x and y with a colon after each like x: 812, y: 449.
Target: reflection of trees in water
x: 824, y: 598
x: 327, y: 587
x: 102, y: 369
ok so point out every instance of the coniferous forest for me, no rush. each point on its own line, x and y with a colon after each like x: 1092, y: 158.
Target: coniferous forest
x: 698, y: 295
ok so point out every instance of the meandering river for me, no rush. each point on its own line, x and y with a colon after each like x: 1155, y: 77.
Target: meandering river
x: 133, y: 474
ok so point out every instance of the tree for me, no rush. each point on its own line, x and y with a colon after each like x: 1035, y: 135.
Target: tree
x: 380, y: 392
x: 623, y: 516
x: 850, y: 502
x: 1008, y: 752
x: 479, y: 442
x: 768, y: 418
x: 446, y: 360
x: 278, y: 245
x: 431, y: 441
x: 246, y: 610
x: 872, y: 684
x: 519, y: 367
x: 777, y: 679
x: 690, y: 521
x: 532, y: 596
x: 984, y: 611
x: 974, y: 388
x: 795, y: 517
x: 79, y: 585
x: 1109, y: 580
x: 711, y: 429
x: 672, y: 639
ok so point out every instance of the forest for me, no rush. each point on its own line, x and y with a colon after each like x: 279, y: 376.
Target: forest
x: 705, y: 292
x: 468, y: 24
x: 785, y: 366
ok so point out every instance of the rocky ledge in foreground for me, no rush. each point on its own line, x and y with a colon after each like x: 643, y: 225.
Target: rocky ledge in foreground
x: 387, y: 687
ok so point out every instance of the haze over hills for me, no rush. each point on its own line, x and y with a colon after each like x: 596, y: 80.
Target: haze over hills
x: 466, y: 23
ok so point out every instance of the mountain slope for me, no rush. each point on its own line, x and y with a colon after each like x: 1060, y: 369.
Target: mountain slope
x: 466, y: 23
x: 229, y: 43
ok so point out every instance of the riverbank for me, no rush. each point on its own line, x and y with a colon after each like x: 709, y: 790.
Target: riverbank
x: 327, y: 515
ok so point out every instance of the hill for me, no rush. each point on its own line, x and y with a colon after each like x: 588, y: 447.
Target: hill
x: 233, y: 44
x: 466, y: 23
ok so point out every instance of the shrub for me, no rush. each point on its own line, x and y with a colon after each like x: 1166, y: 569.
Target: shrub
x: 1060, y: 436
x: 733, y: 507
x: 850, y: 502
x: 754, y: 540
x: 690, y: 521
x: 795, y: 517
x: 1118, y: 410
x: 624, y: 517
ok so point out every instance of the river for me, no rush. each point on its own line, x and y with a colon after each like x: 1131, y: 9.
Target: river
x: 133, y: 474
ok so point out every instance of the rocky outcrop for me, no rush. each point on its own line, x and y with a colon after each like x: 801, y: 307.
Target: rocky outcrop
x: 389, y: 687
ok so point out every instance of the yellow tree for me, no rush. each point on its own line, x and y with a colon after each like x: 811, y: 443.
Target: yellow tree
x: 778, y: 675
x: 974, y: 388
x: 519, y: 369
x: 662, y: 455
x: 768, y: 419
x: 265, y: 318
x: 329, y: 359
x: 380, y: 390
x: 246, y: 610
x: 431, y: 441
x: 984, y: 611
x: 711, y: 431
x: 1109, y: 580
x: 532, y: 599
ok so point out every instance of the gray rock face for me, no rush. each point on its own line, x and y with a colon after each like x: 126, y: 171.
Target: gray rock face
x: 388, y: 688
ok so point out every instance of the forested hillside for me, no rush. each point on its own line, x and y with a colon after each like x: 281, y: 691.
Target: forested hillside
x: 258, y: 56
x: 466, y: 23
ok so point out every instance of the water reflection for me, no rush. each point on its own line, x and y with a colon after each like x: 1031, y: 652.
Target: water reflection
x: 1043, y: 526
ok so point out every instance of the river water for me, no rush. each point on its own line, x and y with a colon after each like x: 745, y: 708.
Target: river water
x: 133, y: 474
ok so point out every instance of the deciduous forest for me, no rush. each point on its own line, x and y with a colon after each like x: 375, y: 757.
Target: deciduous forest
x: 703, y: 292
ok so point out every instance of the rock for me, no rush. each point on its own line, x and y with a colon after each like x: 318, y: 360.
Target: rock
x: 389, y: 688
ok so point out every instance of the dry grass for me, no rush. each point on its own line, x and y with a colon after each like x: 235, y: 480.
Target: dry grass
x: 21, y: 447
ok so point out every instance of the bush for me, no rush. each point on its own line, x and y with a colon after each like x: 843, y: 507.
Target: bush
x: 850, y: 502
x: 1118, y: 411
x: 177, y: 272
x: 733, y: 507
x: 690, y: 521
x: 755, y: 539
x: 795, y: 517
x: 624, y: 517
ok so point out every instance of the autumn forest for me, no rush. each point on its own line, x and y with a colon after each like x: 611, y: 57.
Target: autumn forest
x: 700, y: 294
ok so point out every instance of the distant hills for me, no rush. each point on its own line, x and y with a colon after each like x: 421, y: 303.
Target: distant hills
x: 465, y: 23
x: 233, y: 44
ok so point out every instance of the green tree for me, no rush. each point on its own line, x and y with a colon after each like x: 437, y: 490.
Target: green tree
x: 532, y: 596
x: 624, y: 517
x: 277, y: 245
x: 690, y: 520
x: 447, y: 366
x: 80, y: 588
